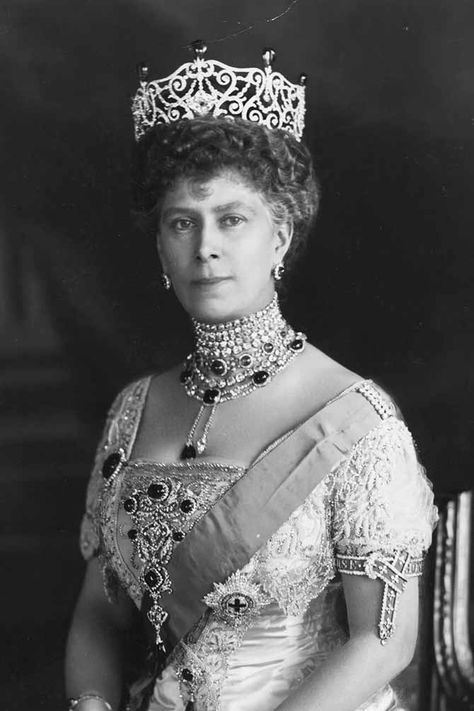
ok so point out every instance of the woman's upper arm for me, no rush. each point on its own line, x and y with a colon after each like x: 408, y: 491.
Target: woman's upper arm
x: 93, y: 599
x: 363, y: 598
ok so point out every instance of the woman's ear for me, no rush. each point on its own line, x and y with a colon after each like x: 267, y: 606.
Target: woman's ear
x: 283, y: 237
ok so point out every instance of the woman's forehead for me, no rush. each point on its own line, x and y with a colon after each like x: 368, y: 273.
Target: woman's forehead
x: 224, y: 188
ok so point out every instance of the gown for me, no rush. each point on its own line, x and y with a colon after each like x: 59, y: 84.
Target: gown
x: 374, y: 501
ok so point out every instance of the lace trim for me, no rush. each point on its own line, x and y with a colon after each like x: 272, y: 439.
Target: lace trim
x: 116, y: 570
x: 381, y: 499
x: 297, y: 562
x: 202, y: 658
x: 119, y: 431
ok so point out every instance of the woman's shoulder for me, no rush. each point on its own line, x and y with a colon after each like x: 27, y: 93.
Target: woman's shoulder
x: 381, y: 496
x: 322, y: 377
x: 146, y: 386
x: 164, y: 386
x: 332, y: 378
x: 134, y: 391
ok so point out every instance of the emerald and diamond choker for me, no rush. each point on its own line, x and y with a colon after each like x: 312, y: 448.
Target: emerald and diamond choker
x: 231, y: 360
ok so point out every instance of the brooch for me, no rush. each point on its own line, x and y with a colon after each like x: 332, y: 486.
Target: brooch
x: 237, y: 600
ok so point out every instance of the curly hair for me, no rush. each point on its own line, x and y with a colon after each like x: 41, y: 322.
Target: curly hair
x: 272, y: 161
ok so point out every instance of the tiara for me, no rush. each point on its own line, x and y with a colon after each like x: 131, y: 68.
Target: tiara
x: 208, y: 87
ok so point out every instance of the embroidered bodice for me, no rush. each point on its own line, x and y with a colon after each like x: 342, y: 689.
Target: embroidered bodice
x: 377, y: 500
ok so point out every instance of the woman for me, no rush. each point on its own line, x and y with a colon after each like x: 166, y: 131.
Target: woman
x: 262, y: 506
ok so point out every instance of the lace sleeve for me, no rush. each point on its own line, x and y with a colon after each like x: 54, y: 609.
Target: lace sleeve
x: 89, y: 540
x: 383, y: 514
x: 382, y: 501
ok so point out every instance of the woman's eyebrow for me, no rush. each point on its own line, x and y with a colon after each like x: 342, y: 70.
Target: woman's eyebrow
x: 234, y: 205
x: 183, y: 209
x: 178, y: 210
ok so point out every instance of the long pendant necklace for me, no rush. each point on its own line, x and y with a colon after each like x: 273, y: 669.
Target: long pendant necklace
x: 231, y: 360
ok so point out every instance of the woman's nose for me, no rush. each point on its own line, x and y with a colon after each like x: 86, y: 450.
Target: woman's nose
x: 208, y: 243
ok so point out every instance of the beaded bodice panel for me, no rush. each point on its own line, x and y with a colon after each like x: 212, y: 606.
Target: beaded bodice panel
x: 376, y: 499
x: 148, y: 509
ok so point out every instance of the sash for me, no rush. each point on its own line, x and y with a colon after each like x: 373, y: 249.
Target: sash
x: 252, y: 510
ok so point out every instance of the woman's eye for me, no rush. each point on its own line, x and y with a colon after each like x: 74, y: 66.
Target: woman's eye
x: 183, y: 225
x: 232, y: 220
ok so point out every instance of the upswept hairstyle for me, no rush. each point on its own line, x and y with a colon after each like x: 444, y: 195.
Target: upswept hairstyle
x: 272, y: 161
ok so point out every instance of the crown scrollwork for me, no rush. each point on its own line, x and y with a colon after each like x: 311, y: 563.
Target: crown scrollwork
x: 209, y: 87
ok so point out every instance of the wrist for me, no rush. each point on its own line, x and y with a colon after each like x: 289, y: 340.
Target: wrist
x: 89, y: 702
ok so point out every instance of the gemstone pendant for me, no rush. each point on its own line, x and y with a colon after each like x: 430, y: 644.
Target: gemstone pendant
x: 188, y: 452
x: 187, y: 674
x: 211, y: 396
x: 152, y: 578
x: 201, y: 445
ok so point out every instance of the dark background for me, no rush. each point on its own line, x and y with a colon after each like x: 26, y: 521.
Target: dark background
x: 385, y: 287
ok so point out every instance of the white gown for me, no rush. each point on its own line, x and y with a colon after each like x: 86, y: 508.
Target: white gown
x: 376, y: 500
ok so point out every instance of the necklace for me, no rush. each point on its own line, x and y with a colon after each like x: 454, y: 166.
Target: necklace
x: 231, y: 360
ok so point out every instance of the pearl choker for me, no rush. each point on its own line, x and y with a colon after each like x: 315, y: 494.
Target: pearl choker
x: 232, y: 359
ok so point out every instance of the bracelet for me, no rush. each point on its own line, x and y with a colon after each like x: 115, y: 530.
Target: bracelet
x: 73, y: 703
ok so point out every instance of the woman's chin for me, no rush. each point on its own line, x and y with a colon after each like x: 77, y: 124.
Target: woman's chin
x: 213, y: 313
x: 216, y: 308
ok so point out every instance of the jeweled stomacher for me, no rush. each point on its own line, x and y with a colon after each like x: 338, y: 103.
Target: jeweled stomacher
x: 208, y: 87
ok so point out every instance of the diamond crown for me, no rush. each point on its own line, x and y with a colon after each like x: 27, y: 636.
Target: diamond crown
x: 208, y: 87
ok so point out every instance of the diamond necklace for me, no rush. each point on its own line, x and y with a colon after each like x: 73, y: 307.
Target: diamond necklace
x: 231, y: 360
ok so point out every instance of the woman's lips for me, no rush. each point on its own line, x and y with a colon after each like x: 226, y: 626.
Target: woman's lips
x: 210, y: 281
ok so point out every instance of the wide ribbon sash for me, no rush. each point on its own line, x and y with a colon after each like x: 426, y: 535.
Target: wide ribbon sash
x: 252, y: 510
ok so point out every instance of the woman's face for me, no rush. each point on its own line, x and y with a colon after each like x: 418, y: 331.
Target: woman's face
x: 218, y: 244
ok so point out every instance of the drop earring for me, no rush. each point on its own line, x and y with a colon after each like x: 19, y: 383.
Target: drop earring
x: 278, y: 271
x: 165, y: 281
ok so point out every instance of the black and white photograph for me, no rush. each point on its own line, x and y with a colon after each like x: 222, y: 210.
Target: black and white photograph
x: 237, y: 348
